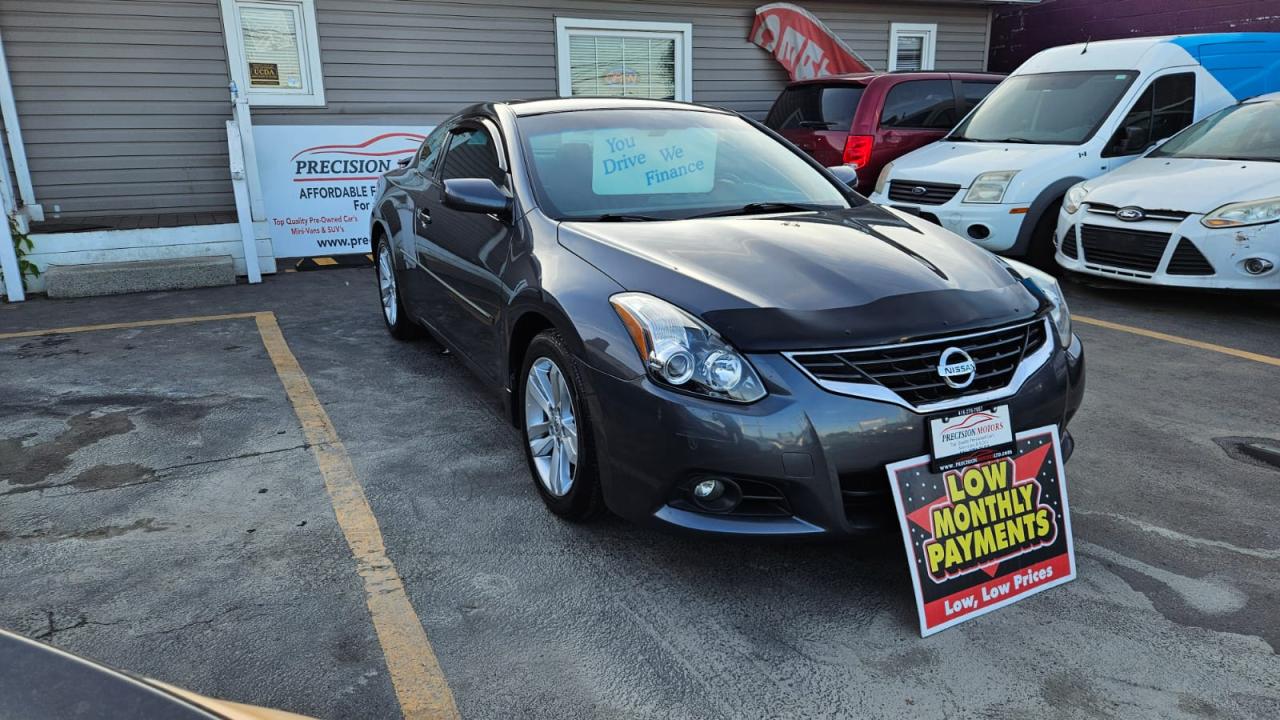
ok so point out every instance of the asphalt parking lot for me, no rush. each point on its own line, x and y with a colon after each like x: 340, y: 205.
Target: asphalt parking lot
x: 170, y: 505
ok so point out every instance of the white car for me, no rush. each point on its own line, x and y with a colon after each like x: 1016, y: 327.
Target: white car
x: 1064, y: 116
x: 1201, y: 210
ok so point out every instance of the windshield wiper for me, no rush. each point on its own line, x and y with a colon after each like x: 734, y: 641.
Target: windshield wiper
x: 616, y: 217
x: 1015, y: 140
x: 822, y: 124
x: 759, y: 208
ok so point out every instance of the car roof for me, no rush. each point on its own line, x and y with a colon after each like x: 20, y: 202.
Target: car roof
x: 897, y: 75
x: 540, y: 106
x: 1266, y: 97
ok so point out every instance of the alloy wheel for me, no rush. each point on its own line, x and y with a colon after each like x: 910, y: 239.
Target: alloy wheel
x: 387, y: 283
x: 550, y: 426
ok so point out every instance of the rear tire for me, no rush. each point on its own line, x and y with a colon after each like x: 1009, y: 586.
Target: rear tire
x: 556, y: 428
x: 397, y: 320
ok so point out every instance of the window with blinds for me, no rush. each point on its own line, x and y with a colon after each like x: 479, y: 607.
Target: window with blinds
x: 620, y: 58
x: 911, y: 46
x: 622, y: 66
x: 272, y: 46
x: 910, y: 55
x: 274, y: 51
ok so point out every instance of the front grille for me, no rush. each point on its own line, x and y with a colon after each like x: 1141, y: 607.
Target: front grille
x: 1188, y: 260
x: 1139, y: 250
x: 933, y: 194
x: 1070, y: 247
x: 1170, y: 215
x: 911, y: 370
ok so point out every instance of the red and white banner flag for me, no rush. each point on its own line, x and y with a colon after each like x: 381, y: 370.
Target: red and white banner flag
x: 802, y: 43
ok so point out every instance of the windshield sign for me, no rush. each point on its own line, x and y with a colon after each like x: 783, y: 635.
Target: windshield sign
x: 664, y: 165
x: 1064, y: 108
x: 1242, y: 132
x: 630, y: 161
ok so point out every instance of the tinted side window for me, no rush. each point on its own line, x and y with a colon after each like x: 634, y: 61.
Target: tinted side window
x: 971, y: 93
x: 429, y: 153
x: 920, y: 104
x: 816, y: 107
x: 472, y: 155
x: 1164, y: 108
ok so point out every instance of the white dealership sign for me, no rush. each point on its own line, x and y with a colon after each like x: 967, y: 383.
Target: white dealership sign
x: 318, y: 182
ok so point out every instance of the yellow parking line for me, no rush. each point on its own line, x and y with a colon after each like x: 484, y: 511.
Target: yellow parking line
x: 126, y: 325
x: 324, y: 261
x: 415, y: 673
x: 1243, y: 354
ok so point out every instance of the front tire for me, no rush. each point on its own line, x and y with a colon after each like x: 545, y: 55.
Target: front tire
x: 556, y: 426
x: 393, y: 313
x: 1040, y: 253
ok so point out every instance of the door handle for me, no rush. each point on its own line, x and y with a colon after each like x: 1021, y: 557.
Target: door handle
x: 424, y: 216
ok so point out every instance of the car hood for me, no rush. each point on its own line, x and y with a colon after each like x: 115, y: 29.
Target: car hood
x: 961, y: 162
x: 1192, y: 185
x: 815, y: 280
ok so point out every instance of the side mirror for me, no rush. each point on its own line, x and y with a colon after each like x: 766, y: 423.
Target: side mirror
x: 477, y: 195
x: 404, y: 161
x: 847, y: 174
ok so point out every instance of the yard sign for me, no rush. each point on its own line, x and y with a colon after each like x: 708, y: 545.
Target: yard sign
x: 985, y: 535
x: 318, y: 182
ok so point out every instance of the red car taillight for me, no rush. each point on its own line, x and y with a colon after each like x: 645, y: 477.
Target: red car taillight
x: 857, y: 150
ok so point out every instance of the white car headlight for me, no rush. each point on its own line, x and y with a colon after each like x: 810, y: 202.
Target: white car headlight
x: 883, y: 180
x: 1074, y: 198
x: 1255, y: 212
x: 1049, y: 287
x: 680, y: 351
x: 989, y: 187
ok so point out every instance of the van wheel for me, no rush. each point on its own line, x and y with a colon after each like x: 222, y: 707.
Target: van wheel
x: 1040, y: 253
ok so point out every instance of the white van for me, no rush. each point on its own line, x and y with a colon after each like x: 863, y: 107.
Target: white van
x: 1069, y: 114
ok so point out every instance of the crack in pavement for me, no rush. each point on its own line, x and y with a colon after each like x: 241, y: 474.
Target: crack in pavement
x: 1260, y: 553
x: 154, y: 472
x: 53, y: 629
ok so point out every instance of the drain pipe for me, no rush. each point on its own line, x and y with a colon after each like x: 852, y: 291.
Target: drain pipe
x: 9, y: 111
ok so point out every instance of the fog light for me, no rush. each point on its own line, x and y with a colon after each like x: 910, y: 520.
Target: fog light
x: 979, y: 232
x: 1257, y: 266
x: 708, y: 490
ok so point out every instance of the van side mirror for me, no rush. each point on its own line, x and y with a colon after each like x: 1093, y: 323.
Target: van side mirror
x: 847, y: 174
x: 477, y: 195
x: 404, y: 161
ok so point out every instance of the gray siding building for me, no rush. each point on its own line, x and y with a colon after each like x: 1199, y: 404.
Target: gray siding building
x: 120, y: 107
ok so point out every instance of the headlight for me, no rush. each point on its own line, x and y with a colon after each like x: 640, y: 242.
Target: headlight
x: 883, y: 180
x: 1074, y: 198
x: 989, y: 187
x: 1052, y: 291
x: 1255, y: 212
x: 680, y: 351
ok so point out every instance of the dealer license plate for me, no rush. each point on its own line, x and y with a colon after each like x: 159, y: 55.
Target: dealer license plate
x: 970, y: 435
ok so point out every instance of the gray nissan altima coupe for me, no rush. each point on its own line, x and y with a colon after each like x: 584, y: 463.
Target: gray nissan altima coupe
x: 695, y: 325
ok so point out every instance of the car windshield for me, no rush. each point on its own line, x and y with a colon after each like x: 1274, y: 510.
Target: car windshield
x: 1064, y: 108
x: 1241, y: 132
x: 663, y: 165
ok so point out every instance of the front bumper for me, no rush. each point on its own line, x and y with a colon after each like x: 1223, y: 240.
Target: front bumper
x: 1175, y: 253
x: 824, y: 452
x: 960, y: 217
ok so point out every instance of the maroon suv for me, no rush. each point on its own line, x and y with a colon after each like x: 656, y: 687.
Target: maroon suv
x: 871, y: 118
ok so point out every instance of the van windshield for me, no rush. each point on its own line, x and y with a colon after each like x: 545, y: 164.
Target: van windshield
x: 1241, y: 132
x: 815, y: 107
x: 1064, y: 108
